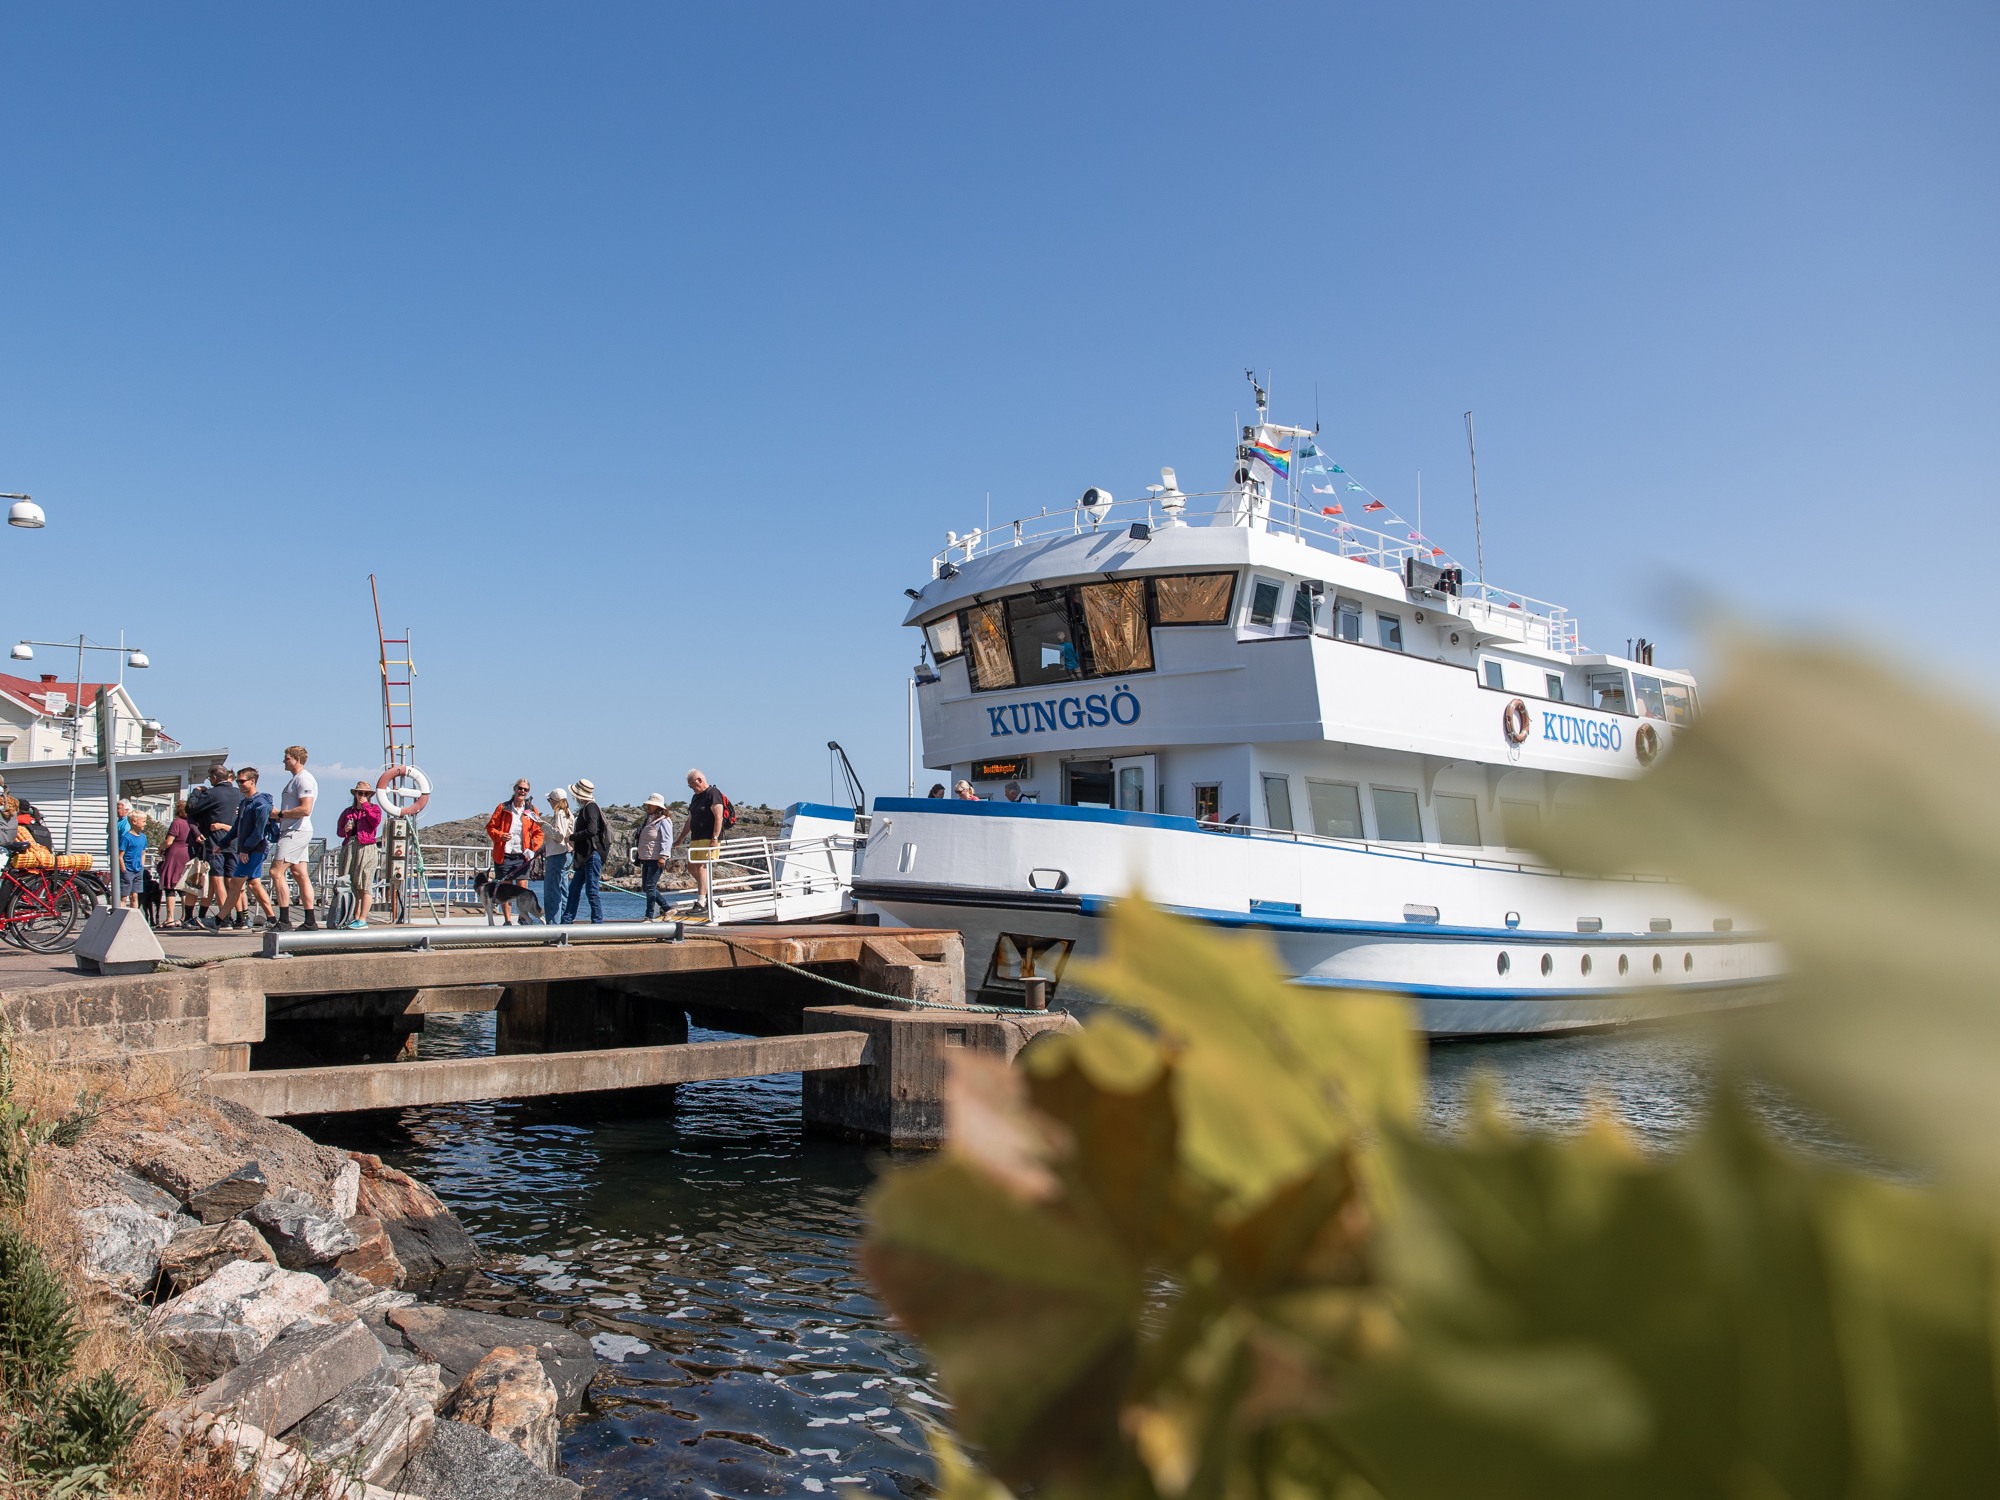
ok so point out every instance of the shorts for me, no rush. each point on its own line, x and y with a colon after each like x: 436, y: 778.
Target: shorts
x: 703, y: 851
x: 248, y: 866
x: 357, y: 863
x: 218, y: 861
x: 294, y: 844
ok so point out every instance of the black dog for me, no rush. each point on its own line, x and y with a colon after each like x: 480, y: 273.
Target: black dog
x: 149, y: 897
x: 501, y: 895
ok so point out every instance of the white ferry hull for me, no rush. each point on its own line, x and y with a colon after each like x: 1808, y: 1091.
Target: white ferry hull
x: 1335, y: 913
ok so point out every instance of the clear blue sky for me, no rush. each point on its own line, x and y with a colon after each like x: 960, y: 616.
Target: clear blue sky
x: 647, y: 353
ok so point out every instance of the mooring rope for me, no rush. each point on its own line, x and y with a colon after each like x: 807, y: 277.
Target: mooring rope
x: 855, y: 989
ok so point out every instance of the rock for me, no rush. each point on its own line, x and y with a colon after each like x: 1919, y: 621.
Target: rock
x: 422, y: 1379
x: 458, y: 1340
x: 374, y: 1258
x: 463, y: 1463
x: 293, y: 1375
x: 206, y: 1139
x: 226, y: 1197
x: 161, y: 1205
x: 194, y: 1255
x: 236, y: 1312
x: 373, y: 1427
x: 510, y: 1395
x: 428, y: 1239
x: 122, y: 1245
x: 346, y: 1190
x: 364, y: 1296
x: 301, y: 1232
x: 275, y: 1469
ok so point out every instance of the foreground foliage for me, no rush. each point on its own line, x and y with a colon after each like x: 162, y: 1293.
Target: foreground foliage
x: 1213, y: 1254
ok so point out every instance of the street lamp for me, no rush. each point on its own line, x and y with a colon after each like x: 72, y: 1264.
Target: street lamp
x: 25, y: 513
x: 131, y: 656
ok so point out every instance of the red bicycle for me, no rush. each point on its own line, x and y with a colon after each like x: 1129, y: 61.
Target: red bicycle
x: 40, y: 910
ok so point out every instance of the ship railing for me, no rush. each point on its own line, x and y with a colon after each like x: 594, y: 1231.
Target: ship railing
x: 1437, y: 854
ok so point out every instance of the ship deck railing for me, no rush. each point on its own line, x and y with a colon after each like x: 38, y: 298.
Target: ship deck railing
x: 1437, y: 854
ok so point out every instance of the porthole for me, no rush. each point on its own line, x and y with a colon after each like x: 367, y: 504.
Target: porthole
x: 1624, y: 964
x: 1548, y: 964
x: 1586, y: 964
x: 1658, y: 963
x: 1505, y: 963
x: 1687, y: 963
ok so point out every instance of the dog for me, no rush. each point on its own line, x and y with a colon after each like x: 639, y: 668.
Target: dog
x: 150, y: 894
x: 507, y: 898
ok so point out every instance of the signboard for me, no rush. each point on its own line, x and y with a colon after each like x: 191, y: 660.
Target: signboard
x: 1020, y: 768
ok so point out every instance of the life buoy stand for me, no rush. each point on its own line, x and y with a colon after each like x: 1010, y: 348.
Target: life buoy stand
x: 1647, y: 743
x: 403, y: 791
x: 1514, y: 721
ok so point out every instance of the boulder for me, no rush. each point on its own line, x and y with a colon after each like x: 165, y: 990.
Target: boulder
x: 463, y: 1463
x: 458, y: 1340
x: 226, y: 1197
x: 374, y: 1258
x: 428, y: 1239
x: 276, y: 1471
x: 203, y: 1140
x: 193, y: 1255
x: 301, y: 1232
x: 122, y: 1244
x: 373, y: 1427
x: 161, y: 1205
x: 344, y: 1195
x: 365, y: 1297
x: 510, y: 1395
x: 236, y: 1312
x: 293, y: 1375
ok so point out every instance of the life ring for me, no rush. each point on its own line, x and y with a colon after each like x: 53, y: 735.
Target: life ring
x: 1514, y: 721
x: 1647, y: 743
x: 390, y: 794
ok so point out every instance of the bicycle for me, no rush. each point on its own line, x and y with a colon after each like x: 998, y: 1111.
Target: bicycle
x: 40, y: 909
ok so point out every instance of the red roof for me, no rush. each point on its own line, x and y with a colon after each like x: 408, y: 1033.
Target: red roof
x: 36, y: 692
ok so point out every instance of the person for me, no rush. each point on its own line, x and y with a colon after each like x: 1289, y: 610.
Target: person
x: 589, y: 842
x: 212, y: 811
x: 937, y: 789
x: 963, y: 792
x: 248, y: 840
x: 1013, y: 791
x: 515, y: 831
x: 556, y: 829
x: 131, y: 856
x: 703, y: 835
x: 295, y: 831
x: 359, y: 829
x: 656, y: 847
x: 174, y: 862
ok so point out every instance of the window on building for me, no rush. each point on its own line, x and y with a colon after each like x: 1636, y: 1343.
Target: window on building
x: 946, y: 639
x: 1396, y: 818
x: 1494, y: 677
x: 1646, y: 690
x: 1193, y: 598
x: 1114, y: 619
x: 1680, y: 702
x: 1336, y: 809
x: 1044, y: 639
x: 1264, y: 596
x: 1458, y: 819
x: 1391, y: 628
x: 1522, y: 822
x: 1308, y: 608
x: 985, y: 636
x: 1347, y: 620
x: 1555, y: 682
x: 1207, y: 802
x: 1278, y: 802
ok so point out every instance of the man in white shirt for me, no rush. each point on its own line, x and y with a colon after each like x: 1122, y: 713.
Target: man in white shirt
x: 295, y: 831
x: 515, y: 830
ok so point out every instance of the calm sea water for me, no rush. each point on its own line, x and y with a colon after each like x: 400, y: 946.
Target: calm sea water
x: 709, y: 1254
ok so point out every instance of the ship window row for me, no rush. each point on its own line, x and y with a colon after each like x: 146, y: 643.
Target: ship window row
x: 1079, y: 630
x: 1335, y: 808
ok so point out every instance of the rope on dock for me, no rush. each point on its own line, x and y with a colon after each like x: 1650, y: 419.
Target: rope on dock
x: 855, y: 989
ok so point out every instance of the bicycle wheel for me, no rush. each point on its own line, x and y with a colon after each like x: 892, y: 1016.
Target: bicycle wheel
x: 48, y: 911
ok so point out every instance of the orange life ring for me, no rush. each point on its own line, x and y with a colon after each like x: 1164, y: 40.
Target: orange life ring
x: 1647, y: 743
x: 392, y: 791
x: 1514, y: 721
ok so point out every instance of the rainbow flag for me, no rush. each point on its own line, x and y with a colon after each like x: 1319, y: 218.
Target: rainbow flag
x: 1277, y: 458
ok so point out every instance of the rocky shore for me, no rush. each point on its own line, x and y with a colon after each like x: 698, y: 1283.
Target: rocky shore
x: 288, y: 1284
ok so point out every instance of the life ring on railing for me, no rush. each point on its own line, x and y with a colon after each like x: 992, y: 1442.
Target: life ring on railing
x: 390, y: 792
x: 1514, y: 721
x: 1647, y: 743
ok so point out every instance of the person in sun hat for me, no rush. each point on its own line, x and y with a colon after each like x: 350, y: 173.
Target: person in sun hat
x: 556, y: 829
x: 655, y: 848
x: 589, y: 843
x: 359, y: 828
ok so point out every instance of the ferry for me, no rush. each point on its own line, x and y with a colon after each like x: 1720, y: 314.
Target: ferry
x: 1278, y: 706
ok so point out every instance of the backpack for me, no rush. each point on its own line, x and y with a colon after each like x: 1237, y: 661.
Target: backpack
x: 728, y: 810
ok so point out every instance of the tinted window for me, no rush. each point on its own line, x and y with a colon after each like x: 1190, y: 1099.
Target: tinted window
x: 1348, y: 623
x: 1396, y: 818
x: 1555, y: 687
x: 1391, y: 628
x: 1114, y: 615
x: 1493, y: 678
x: 1336, y: 809
x: 1193, y: 598
x: 1044, y: 644
x: 986, y: 640
x: 1264, y: 601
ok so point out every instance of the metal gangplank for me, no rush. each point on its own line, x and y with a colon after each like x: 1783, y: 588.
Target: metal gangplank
x: 785, y: 879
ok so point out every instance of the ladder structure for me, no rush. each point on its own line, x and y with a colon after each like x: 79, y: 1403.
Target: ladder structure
x: 405, y: 859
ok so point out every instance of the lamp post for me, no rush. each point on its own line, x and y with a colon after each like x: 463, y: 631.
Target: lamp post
x: 129, y: 656
x: 24, y: 513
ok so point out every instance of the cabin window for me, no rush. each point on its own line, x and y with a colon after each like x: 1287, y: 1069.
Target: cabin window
x: 1044, y: 643
x: 1396, y: 818
x: 1607, y: 692
x: 1555, y: 682
x: 1114, y: 619
x: 1264, y: 596
x: 1207, y: 802
x: 1494, y: 678
x: 1278, y: 802
x: 1680, y: 702
x: 946, y: 639
x: 1193, y: 598
x: 1087, y: 783
x: 1458, y: 819
x: 985, y: 636
x: 1522, y: 822
x: 1391, y: 628
x: 1652, y: 702
x: 1308, y: 609
x: 1347, y: 620
x: 1336, y: 809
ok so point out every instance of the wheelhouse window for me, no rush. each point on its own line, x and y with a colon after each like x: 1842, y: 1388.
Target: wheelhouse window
x: 1494, y: 677
x: 1044, y: 638
x: 1264, y: 596
x: 946, y: 639
x: 1192, y: 598
x: 1458, y: 819
x: 1607, y: 692
x: 1555, y: 682
x: 1396, y: 818
x: 1679, y: 699
x: 1278, y: 802
x: 985, y: 639
x: 1390, y: 628
x: 1308, y: 608
x: 1336, y: 809
x: 1114, y: 621
x: 1347, y: 620
x: 1652, y: 702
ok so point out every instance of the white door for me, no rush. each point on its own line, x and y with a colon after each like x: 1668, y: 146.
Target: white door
x: 1135, y: 784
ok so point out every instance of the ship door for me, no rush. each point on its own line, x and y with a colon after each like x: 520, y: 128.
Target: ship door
x: 1135, y: 784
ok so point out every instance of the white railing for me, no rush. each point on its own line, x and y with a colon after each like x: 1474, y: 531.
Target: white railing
x: 1439, y: 854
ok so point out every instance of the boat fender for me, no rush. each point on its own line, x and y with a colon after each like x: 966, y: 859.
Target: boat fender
x: 1514, y: 721
x: 393, y: 797
x: 1647, y: 743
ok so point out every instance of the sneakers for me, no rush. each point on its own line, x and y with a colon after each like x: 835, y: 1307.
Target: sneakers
x: 357, y: 925
x: 284, y: 922
x: 239, y: 922
x: 312, y: 920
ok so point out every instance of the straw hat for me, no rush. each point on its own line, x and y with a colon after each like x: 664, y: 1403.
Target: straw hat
x: 365, y: 785
x: 655, y: 800
x: 583, y: 789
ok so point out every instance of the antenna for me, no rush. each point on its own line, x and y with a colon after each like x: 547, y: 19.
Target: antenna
x: 1263, y: 397
x: 1478, y: 537
x: 1420, y: 503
